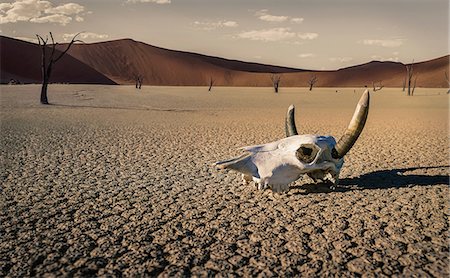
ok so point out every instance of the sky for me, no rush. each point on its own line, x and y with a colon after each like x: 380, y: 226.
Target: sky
x: 307, y: 34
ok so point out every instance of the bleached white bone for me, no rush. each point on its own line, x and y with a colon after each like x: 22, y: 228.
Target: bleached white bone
x: 276, y: 164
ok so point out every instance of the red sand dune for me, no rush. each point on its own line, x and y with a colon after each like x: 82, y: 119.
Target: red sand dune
x: 121, y: 60
x: 21, y: 61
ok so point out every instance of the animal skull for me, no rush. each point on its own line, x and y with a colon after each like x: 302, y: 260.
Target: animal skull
x: 279, y: 163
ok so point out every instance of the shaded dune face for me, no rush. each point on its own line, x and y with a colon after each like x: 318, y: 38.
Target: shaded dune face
x: 22, y: 61
x: 121, y: 60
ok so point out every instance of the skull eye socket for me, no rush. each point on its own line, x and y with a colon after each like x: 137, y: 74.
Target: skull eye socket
x: 307, y: 153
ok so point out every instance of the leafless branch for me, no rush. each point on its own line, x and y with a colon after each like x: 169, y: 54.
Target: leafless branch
x: 68, y: 46
x: 53, y: 45
x: 312, y: 80
x: 276, y: 78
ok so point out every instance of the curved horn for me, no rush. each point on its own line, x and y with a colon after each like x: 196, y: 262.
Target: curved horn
x: 354, y: 129
x: 289, y: 125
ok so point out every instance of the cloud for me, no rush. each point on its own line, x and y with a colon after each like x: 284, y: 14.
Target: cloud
x: 297, y: 19
x: 275, y: 34
x: 150, y: 1
x: 341, y: 59
x: 208, y: 26
x: 54, y: 18
x: 265, y: 16
x: 306, y: 55
x: 22, y: 10
x: 273, y: 18
x: 308, y: 36
x: 84, y: 36
x: 381, y: 58
x: 383, y: 43
x: 5, y: 6
x: 268, y: 35
x: 66, y: 9
x: 39, y: 11
x: 230, y: 24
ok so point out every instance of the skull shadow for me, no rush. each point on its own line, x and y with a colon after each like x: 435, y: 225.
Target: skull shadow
x: 383, y: 179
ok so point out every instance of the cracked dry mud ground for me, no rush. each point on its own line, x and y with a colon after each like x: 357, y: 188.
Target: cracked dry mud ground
x: 113, y: 182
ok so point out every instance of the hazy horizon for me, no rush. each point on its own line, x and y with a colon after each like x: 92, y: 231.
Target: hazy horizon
x: 317, y: 35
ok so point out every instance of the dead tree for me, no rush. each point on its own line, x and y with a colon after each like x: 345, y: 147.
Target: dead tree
x: 377, y: 87
x: 138, y: 79
x: 409, y: 78
x: 414, y: 85
x: 448, y: 82
x: 312, y: 80
x: 211, y: 83
x: 48, y: 61
x: 275, y: 81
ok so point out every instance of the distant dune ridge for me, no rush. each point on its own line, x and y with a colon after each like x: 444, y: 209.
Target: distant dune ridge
x: 117, y: 62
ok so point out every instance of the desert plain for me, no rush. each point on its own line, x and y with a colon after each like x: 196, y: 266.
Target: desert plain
x: 114, y: 181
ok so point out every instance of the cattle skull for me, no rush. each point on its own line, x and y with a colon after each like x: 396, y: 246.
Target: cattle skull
x: 279, y: 163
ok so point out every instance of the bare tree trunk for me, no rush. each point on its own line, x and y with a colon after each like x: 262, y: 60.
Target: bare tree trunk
x: 44, y: 99
x: 409, y: 76
x: 414, y: 86
x: 46, y: 73
x: 138, y: 81
x: 448, y: 82
x: 409, y: 86
x: 211, y: 83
